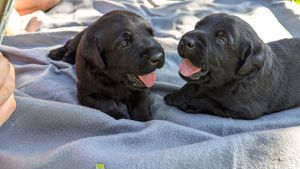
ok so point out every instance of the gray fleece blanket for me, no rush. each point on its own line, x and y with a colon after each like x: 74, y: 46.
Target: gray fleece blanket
x: 49, y: 130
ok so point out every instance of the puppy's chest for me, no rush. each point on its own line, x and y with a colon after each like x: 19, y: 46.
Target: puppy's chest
x: 114, y: 91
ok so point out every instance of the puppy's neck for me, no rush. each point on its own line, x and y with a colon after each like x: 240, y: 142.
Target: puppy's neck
x: 112, y: 77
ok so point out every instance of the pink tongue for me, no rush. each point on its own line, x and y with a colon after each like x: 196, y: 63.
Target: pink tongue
x: 186, y: 68
x: 148, y: 79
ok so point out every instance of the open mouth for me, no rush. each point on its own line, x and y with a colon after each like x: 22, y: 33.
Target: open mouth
x: 142, y: 81
x: 191, y: 72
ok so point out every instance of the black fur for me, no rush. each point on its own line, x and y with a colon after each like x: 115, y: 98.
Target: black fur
x: 109, y: 55
x: 241, y: 76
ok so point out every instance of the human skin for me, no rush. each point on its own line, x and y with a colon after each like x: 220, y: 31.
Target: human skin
x: 7, y: 87
x: 28, y: 6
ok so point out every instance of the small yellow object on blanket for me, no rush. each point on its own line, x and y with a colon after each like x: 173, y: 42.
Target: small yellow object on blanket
x: 100, y: 166
x: 7, y: 87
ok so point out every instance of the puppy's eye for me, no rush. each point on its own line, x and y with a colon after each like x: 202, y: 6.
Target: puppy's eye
x: 124, y: 44
x: 221, y: 39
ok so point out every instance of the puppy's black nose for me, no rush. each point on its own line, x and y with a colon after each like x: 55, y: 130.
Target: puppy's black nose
x: 189, y: 43
x: 155, y: 58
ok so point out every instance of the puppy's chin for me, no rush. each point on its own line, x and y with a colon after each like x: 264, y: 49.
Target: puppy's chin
x: 199, y: 77
x: 192, y: 73
x: 133, y: 82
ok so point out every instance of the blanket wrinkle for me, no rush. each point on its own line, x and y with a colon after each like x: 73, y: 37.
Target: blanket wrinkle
x: 49, y: 129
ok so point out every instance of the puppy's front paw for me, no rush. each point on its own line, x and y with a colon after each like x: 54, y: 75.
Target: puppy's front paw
x: 119, y: 115
x: 142, y: 118
x: 173, y: 99
x: 57, y: 54
x: 142, y: 114
x: 188, y: 108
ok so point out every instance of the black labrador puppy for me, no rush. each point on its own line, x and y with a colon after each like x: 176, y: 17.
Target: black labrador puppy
x: 230, y: 72
x: 115, y: 59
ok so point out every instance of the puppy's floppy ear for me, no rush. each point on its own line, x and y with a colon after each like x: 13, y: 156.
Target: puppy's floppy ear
x: 91, y: 50
x: 251, y: 57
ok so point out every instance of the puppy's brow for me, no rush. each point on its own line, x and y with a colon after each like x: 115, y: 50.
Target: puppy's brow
x: 126, y: 34
x: 121, y: 35
x: 221, y: 32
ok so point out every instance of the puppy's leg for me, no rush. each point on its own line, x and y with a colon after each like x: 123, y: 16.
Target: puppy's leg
x: 138, y: 106
x: 202, y: 105
x: 70, y: 53
x: 58, y: 53
x: 184, y: 94
x: 67, y: 52
x: 106, y: 105
x: 208, y: 106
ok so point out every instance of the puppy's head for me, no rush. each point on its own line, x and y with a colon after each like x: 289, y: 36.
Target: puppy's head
x: 221, y: 48
x: 122, y: 44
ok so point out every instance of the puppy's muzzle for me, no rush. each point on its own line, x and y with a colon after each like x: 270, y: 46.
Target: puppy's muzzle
x: 188, y: 43
x: 191, y: 43
x: 155, y: 58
